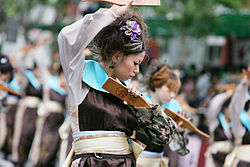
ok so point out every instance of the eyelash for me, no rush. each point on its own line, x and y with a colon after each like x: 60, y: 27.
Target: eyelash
x: 136, y: 63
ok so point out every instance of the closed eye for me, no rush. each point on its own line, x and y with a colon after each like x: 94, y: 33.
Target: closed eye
x: 135, y: 63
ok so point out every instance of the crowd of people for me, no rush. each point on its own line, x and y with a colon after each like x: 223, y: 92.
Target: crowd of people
x: 32, y: 113
x: 61, y: 116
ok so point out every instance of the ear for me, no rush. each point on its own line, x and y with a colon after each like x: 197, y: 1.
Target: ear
x: 157, y: 90
x: 117, y: 56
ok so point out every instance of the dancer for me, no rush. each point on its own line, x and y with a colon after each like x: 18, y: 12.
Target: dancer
x: 239, y: 112
x: 220, y: 130
x: 12, y: 102
x: 163, y: 85
x: 25, y: 120
x: 6, y: 73
x: 46, y: 142
x: 101, y: 123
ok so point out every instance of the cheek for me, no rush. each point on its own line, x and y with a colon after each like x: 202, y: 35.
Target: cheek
x: 123, y: 71
x: 3, y: 77
x: 127, y: 68
x: 164, y: 95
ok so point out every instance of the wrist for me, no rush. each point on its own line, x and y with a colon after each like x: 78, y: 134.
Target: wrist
x: 112, y: 13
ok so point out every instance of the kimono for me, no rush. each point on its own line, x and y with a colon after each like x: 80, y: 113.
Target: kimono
x: 25, y: 120
x: 12, y: 102
x: 95, y: 114
x: 153, y: 153
x: 46, y: 142
x: 240, y: 127
x: 221, y: 138
x: 101, y: 123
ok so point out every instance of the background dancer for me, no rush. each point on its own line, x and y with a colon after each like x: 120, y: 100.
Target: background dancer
x: 240, y: 116
x: 220, y: 129
x: 163, y: 85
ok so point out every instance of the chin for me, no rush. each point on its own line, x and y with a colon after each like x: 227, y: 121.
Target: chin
x: 166, y: 102
x: 124, y: 78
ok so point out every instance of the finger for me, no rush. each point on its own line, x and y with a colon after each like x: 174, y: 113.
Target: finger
x: 180, y: 123
x: 133, y: 90
x: 137, y: 93
x: 129, y: 90
x: 182, y: 113
x: 129, y: 4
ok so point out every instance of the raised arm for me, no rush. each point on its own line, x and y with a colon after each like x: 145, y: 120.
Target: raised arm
x: 237, y: 105
x: 214, y: 108
x: 72, y: 40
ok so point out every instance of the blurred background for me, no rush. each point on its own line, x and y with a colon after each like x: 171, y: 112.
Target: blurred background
x: 187, y: 33
x: 208, y: 41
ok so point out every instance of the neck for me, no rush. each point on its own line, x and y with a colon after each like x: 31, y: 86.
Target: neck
x: 155, y: 99
x: 227, y: 119
x: 109, y: 71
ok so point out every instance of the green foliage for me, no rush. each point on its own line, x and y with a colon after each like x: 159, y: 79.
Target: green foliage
x: 232, y: 4
x: 10, y: 7
x: 195, y: 17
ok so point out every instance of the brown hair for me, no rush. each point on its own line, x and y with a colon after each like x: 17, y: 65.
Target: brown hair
x: 160, y: 74
x: 111, y: 39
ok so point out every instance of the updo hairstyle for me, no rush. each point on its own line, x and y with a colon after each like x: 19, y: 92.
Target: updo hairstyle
x: 112, y: 39
x: 159, y: 74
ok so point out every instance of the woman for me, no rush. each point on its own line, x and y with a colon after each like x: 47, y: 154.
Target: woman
x: 46, y: 142
x: 6, y: 73
x: 12, y: 101
x: 163, y: 85
x: 219, y: 129
x: 101, y: 123
x: 239, y: 113
x: 26, y: 114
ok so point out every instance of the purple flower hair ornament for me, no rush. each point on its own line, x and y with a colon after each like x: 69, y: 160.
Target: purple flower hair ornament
x: 131, y: 29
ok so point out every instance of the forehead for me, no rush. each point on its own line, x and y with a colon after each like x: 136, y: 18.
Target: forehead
x: 137, y: 57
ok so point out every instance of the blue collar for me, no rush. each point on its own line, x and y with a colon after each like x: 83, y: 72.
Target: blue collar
x: 54, y: 84
x: 14, y: 85
x: 245, y: 120
x: 147, y: 97
x: 95, y: 76
x: 223, y: 122
x: 173, y: 106
x: 32, y: 79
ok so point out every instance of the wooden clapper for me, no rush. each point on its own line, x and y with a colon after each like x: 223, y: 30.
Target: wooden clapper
x: 120, y: 91
x: 7, y: 89
x: 135, y: 3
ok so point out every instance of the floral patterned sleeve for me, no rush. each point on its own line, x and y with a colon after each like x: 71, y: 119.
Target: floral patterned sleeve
x: 158, y: 128
x: 179, y: 143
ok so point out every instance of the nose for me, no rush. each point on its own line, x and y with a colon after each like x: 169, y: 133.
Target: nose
x: 172, y: 95
x: 137, y: 70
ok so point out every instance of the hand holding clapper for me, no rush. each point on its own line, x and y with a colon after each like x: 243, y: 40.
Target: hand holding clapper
x: 120, y: 91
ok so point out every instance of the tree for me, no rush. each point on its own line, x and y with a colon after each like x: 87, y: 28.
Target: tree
x: 20, y: 10
x: 195, y: 17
